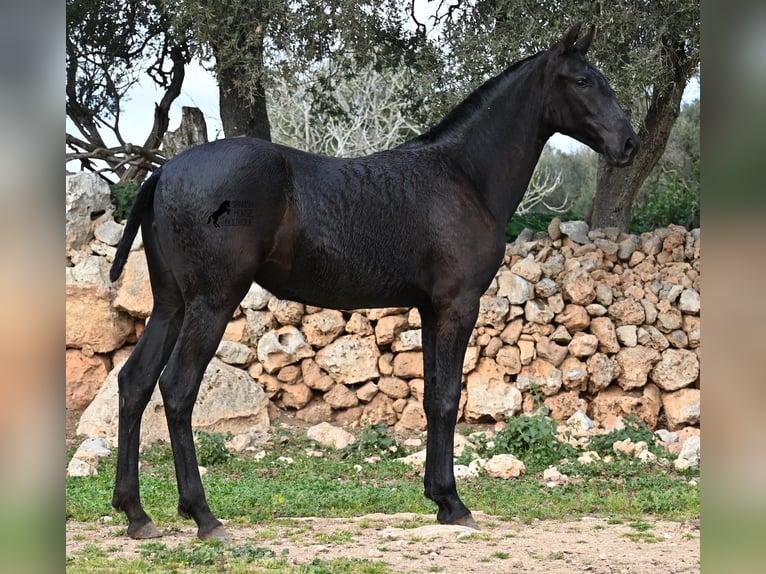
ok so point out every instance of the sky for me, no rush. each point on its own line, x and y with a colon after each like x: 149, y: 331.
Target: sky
x: 200, y: 90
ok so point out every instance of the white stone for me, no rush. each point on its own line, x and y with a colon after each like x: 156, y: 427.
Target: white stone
x: 488, y: 395
x: 109, y: 232
x: 80, y: 468
x: 229, y: 400
x: 517, y: 289
x: 234, y: 353
x: 257, y: 298
x: 330, y: 436
x: 350, y: 359
x: 690, y: 451
x: 86, y: 194
x: 281, y: 347
x: 504, y: 466
x: 580, y: 421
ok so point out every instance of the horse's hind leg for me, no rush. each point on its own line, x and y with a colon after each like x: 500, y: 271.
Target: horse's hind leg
x: 202, y: 329
x: 136, y: 381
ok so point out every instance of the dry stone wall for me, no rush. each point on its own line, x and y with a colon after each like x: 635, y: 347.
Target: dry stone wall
x: 596, y: 321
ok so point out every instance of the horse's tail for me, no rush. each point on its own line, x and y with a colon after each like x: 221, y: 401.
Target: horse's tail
x: 143, y: 200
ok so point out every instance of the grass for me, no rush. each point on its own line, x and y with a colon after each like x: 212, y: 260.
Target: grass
x: 268, y: 492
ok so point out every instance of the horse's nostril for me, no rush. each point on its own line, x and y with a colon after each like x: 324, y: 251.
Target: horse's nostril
x: 631, y: 147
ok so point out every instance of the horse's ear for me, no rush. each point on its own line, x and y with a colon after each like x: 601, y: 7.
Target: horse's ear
x: 568, y: 39
x: 583, y: 43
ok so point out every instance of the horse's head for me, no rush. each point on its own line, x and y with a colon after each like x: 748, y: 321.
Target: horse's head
x: 582, y: 105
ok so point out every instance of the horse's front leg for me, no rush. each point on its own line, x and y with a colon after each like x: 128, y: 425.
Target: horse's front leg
x: 445, y: 338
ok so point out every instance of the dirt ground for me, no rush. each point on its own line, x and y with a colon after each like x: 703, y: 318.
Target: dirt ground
x: 414, y: 543
x: 588, y: 545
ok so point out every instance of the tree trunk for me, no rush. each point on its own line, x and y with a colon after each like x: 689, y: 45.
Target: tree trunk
x: 617, y: 188
x: 242, y: 114
x: 192, y: 132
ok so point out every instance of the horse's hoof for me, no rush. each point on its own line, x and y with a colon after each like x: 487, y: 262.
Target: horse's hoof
x: 218, y: 533
x: 466, y: 520
x: 148, y: 530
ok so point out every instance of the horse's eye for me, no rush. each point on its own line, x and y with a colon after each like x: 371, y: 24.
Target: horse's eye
x: 582, y: 82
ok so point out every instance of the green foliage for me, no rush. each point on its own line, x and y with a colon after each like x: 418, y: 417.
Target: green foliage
x: 672, y: 200
x: 123, y: 197
x: 635, y: 429
x: 374, y: 440
x: 196, y: 554
x: 211, y: 447
x: 531, y: 439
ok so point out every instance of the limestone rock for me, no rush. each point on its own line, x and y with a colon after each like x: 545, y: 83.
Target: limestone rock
x: 669, y: 318
x: 603, y: 329
x: 546, y: 287
x: 366, y: 392
x: 413, y: 417
x: 340, y: 397
x: 574, y: 318
x: 627, y: 335
x: 80, y: 468
x: 517, y: 289
x: 296, y: 395
x: 330, y: 436
x: 690, y: 452
x: 488, y: 395
x: 528, y: 269
x: 551, y: 352
x: 358, y: 324
x: 315, y: 412
x: 563, y: 405
x: 408, y: 365
x: 323, y: 328
x: 281, y: 347
x: 689, y: 301
x: 286, y: 312
x: 411, y: 340
x: 388, y: 328
x: 614, y: 401
x: 677, y: 368
x: 574, y: 374
x: 87, y: 194
x: 542, y: 375
x: 84, y: 377
x: 635, y: 364
x: 394, y: 387
x: 257, y: 298
x: 627, y: 312
x: 682, y: 408
x: 258, y: 323
x: 92, y: 450
x: 108, y: 232
x: 379, y: 410
x: 350, y: 359
x: 602, y: 370
x: 578, y: 287
x: 234, y: 353
x: 577, y: 231
x: 580, y: 422
x: 229, y: 400
x: 493, y: 311
x: 92, y: 322
x: 650, y: 336
x: 583, y: 344
x: 505, y: 466
x: 536, y: 311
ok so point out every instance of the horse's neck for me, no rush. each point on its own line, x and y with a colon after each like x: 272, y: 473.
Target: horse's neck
x: 500, y: 145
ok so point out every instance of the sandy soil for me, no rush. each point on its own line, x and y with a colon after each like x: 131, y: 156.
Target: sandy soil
x: 409, y: 543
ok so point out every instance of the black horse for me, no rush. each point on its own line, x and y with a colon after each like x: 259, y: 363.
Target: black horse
x: 420, y: 225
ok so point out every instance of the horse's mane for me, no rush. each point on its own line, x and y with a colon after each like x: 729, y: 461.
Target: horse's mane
x: 465, y: 110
